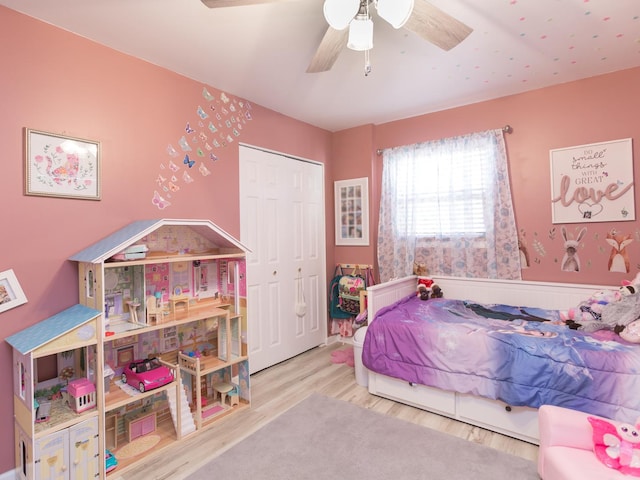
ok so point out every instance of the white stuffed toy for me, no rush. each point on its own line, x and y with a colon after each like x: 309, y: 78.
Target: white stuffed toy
x: 623, y: 317
x: 631, y: 286
x: 587, y: 316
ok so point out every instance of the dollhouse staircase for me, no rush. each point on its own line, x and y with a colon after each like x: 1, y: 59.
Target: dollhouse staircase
x: 186, y: 422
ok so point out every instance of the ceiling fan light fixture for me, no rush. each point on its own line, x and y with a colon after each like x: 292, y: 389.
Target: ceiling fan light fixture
x: 396, y: 12
x: 338, y: 13
x: 360, y: 34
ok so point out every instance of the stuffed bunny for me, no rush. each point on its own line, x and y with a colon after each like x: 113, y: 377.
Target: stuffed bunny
x: 622, y: 317
x: 571, y: 261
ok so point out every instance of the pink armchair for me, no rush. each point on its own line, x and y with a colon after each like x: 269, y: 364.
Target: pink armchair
x: 566, y: 447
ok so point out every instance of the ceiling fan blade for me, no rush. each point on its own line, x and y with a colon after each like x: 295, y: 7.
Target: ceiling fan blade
x: 328, y: 51
x: 436, y: 26
x: 236, y: 3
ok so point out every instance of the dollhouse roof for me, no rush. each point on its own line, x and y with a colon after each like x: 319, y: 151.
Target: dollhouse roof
x: 51, y: 328
x: 132, y: 233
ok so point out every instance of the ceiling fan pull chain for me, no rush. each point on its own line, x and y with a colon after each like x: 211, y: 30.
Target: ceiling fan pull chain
x: 367, y: 63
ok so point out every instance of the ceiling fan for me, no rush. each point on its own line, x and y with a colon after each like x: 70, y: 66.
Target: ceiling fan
x: 417, y: 16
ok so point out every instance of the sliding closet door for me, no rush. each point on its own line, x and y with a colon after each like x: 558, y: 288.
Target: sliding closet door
x: 283, y: 223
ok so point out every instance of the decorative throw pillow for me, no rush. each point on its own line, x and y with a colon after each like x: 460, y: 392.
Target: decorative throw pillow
x: 617, y: 445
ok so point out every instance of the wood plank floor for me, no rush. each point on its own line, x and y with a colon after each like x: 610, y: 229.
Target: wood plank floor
x: 276, y: 389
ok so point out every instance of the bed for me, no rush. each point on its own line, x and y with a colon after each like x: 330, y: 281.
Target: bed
x: 479, y: 356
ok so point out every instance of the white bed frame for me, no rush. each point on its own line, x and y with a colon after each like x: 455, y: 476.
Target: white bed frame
x: 517, y: 422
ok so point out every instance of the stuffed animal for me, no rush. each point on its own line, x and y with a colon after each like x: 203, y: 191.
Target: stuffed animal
x: 588, y: 315
x: 617, y: 445
x: 623, y: 318
x: 628, y: 290
x: 605, y: 310
x: 631, y: 333
x: 436, y: 291
x: 632, y: 285
x: 424, y: 288
x: 420, y: 269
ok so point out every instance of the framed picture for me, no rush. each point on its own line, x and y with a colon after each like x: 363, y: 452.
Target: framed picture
x: 125, y: 355
x: 61, y: 166
x: 122, y: 341
x: 11, y: 294
x: 593, y: 183
x: 352, y: 211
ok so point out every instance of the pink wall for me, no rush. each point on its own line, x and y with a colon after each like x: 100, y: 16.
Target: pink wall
x: 55, y: 81
x: 351, y: 156
x: 594, y: 110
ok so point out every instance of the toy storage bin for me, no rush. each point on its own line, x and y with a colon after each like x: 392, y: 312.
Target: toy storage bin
x: 362, y: 373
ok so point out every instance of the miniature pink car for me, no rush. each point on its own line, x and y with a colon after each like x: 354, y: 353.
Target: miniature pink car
x: 146, y: 374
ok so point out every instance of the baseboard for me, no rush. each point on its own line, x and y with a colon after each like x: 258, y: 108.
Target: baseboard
x: 9, y: 475
x: 335, y: 339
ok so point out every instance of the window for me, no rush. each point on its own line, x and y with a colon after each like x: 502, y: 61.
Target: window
x: 447, y: 193
x: 447, y: 204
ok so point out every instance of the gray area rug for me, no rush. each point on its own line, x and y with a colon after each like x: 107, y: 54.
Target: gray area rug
x: 325, y: 438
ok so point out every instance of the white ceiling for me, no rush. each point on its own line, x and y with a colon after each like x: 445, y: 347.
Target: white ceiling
x: 261, y: 52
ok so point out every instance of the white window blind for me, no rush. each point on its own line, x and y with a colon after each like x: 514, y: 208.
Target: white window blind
x: 445, y: 191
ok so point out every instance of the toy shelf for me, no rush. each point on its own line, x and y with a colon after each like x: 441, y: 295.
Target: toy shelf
x: 205, y: 365
x: 164, y: 430
x: 199, y: 310
x: 61, y: 417
x: 118, y: 398
x: 163, y: 257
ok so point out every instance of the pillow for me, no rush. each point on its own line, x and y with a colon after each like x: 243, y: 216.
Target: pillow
x: 617, y: 445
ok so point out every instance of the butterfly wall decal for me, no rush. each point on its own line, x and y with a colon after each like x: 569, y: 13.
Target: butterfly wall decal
x: 158, y: 201
x: 188, y: 161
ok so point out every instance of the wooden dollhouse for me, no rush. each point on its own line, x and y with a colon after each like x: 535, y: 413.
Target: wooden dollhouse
x: 45, y: 445
x: 171, y: 289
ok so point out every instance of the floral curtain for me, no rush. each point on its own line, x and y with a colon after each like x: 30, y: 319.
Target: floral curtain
x: 447, y: 204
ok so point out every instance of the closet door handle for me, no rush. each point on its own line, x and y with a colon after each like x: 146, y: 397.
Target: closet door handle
x: 275, y: 272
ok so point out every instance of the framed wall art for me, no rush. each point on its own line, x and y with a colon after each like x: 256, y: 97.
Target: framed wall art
x: 129, y: 340
x: 61, y: 166
x: 593, y: 183
x: 125, y: 355
x: 352, y: 211
x: 11, y: 294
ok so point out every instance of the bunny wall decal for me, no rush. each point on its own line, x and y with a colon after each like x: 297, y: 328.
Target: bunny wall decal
x: 571, y: 261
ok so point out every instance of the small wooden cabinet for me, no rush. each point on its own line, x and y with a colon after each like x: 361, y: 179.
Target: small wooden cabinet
x: 69, y: 454
x: 140, y: 424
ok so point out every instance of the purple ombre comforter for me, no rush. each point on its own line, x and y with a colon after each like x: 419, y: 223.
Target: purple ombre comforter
x: 521, y: 356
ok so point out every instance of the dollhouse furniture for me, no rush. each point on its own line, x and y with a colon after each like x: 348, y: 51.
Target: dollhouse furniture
x: 107, y: 279
x: 566, y: 447
x: 140, y: 424
x: 154, y: 311
x: 133, y: 310
x: 43, y: 410
x: 178, y: 299
x: 224, y: 389
x: 82, y: 395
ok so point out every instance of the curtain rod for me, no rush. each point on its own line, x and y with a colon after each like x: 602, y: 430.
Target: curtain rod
x: 505, y: 129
